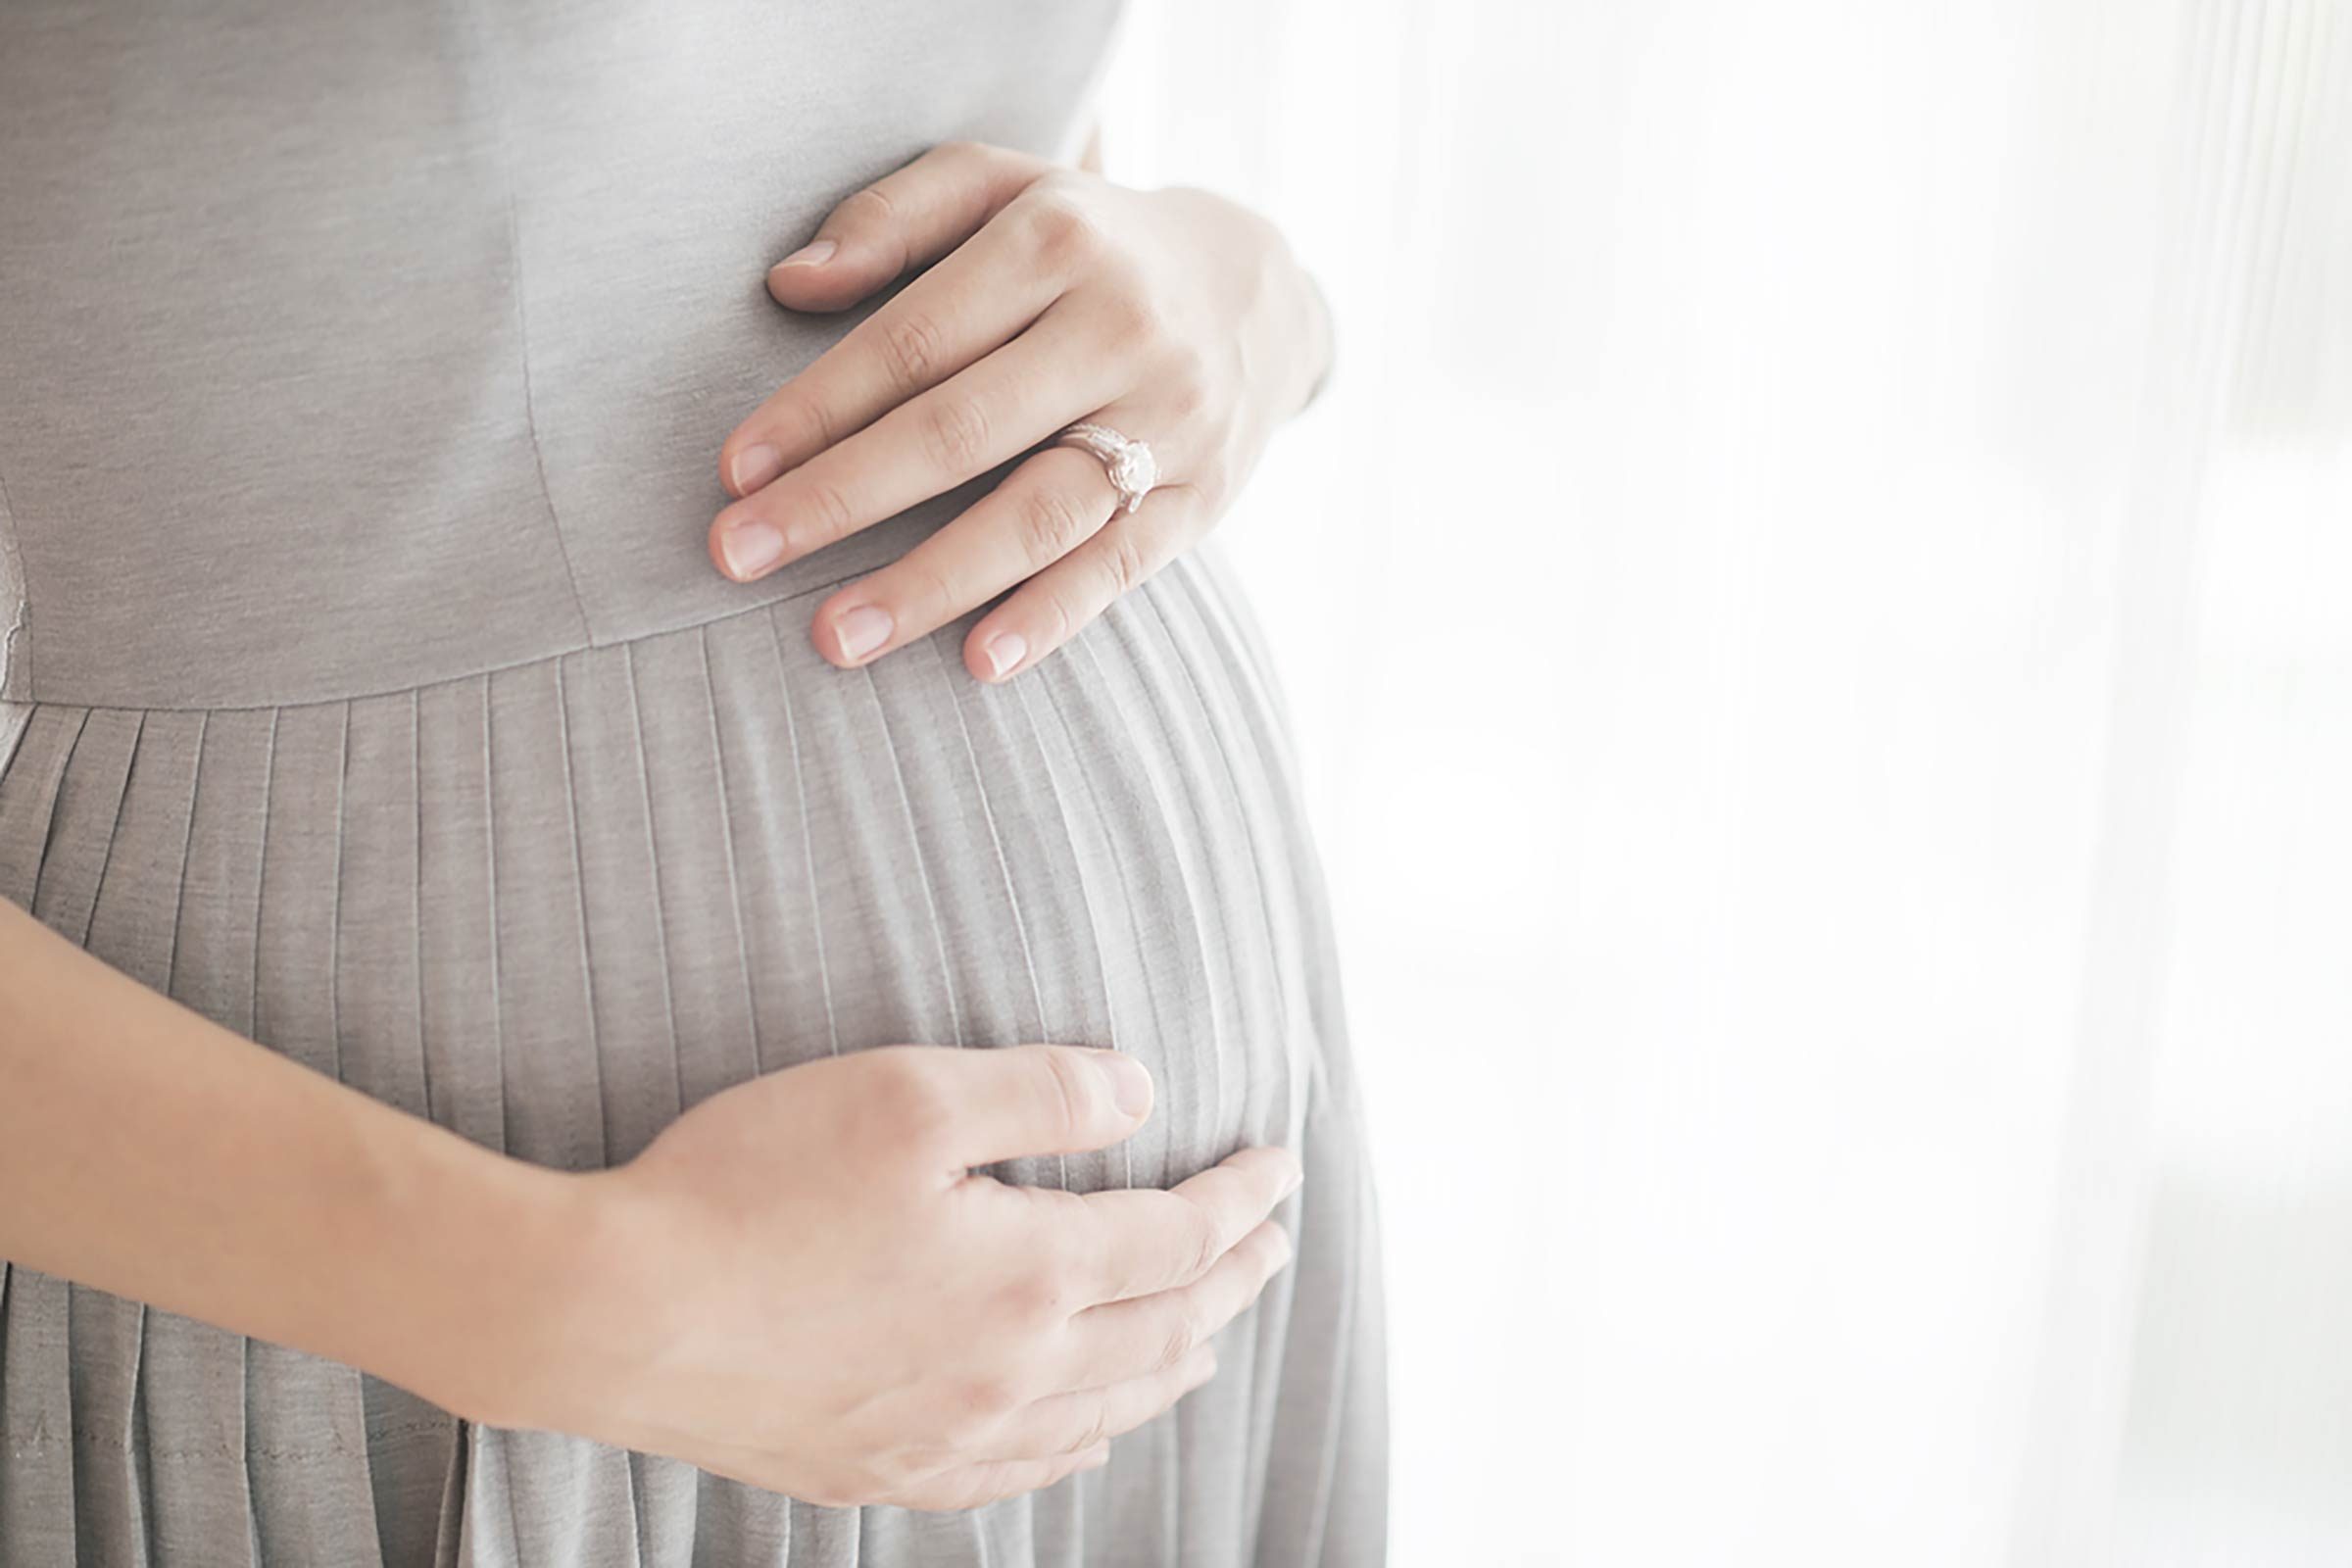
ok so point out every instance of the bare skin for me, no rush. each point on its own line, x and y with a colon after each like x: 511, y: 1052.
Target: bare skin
x: 1041, y: 295
x: 799, y: 1283
x: 796, y: 1284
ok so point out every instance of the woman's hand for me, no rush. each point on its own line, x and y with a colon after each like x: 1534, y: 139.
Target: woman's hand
x: 799, y: 1284
x: 1173, y: 317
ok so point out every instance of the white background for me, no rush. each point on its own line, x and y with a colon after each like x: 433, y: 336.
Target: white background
x: 1819, y: 615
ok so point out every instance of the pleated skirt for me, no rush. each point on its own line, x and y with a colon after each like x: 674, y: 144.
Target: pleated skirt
x: 552, y: 905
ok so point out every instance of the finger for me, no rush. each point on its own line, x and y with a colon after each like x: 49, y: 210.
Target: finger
x: 1019, y: 1100
x: 979, y: 417
x: 1157, y: 1333
x: 1059, y: 602
x: 1074, y: 1423
x: 981, y: 1483
x: 969, y: 305
x: 1045, y: 509
x: 1146, y: 1242
x: 910, y: 217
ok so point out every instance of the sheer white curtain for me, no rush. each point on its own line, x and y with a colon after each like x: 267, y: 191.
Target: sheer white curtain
x: 1819, y: 614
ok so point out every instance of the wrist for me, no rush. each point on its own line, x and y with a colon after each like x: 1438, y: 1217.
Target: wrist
x: 489, y: 1334
x: 1286, y: 320
x: 574, y: 1325
x: 1291, y: 302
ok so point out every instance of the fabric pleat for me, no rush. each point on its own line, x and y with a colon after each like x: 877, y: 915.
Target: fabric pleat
x: 305, y: 1418
x: 621, y: 898
x: 192, y: 1376
x: 102, y: 1332
x: 552, y: 905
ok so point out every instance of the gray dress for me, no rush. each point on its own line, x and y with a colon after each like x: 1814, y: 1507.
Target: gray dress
x: 368, y: 688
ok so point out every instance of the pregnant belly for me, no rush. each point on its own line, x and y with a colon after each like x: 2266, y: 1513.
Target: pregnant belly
x: 552, y: 905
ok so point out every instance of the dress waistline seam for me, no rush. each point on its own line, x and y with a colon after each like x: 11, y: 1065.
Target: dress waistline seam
x: 588, y: 644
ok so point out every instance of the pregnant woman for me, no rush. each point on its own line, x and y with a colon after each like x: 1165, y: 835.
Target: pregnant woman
x: 646, y: 917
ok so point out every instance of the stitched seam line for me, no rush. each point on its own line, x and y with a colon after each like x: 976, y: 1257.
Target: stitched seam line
x: 531, y: 407
x: 458, y: 679
x: 14, y: 643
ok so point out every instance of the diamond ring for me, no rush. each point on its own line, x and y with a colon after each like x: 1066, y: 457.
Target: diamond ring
x: 1133, y: 471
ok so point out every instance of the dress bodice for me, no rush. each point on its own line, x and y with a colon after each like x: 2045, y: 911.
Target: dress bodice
x: 353, y: 346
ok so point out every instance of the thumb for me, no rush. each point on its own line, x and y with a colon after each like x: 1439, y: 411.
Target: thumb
x: 1019, y: 1100
x: 901, y: 222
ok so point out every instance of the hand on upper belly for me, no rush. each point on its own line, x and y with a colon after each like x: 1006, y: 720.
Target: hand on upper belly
x: 1172, y: 317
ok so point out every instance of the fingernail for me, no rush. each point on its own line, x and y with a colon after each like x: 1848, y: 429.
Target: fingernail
x: 755, y: 466
x: 811, y: 254
x: 1284, y: 1248
x: 859, y: 631
x: 1298, y: 1179
x: 751, y: 546
x: 1003, y: 651
x: 1130, y: 1083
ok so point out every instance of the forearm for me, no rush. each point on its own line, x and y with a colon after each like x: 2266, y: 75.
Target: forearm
x: 147, y: 1152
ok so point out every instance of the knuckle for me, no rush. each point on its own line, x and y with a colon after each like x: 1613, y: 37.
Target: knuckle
x: 912, y: 350
x: 1096, y: 1432
x: 955, y: 433
x: 1201, y: 1321
x: 1270, y: 1249
x: 1183, y: 1333
x: 988, y: 1398
x: 1132, y: 321
x: 914, y: 1105
x: 1205, y: 1247
x: 1185, y: 384
x: 1066, y: 233
x: 808, y: 423
x: 923, y: 589
x: 1051, y: 521
x: 1124, y: 562
x: 868, y: 205
x: 1039, y: 1295
x: 824, y: 509
x: 1068, y: 1092
x: 1066, y: 616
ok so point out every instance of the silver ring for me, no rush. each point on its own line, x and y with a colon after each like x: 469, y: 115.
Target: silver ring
x: 1131, y: 468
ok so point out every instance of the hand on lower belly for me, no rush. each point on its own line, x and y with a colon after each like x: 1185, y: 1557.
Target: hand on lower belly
x: 802, y: 1285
